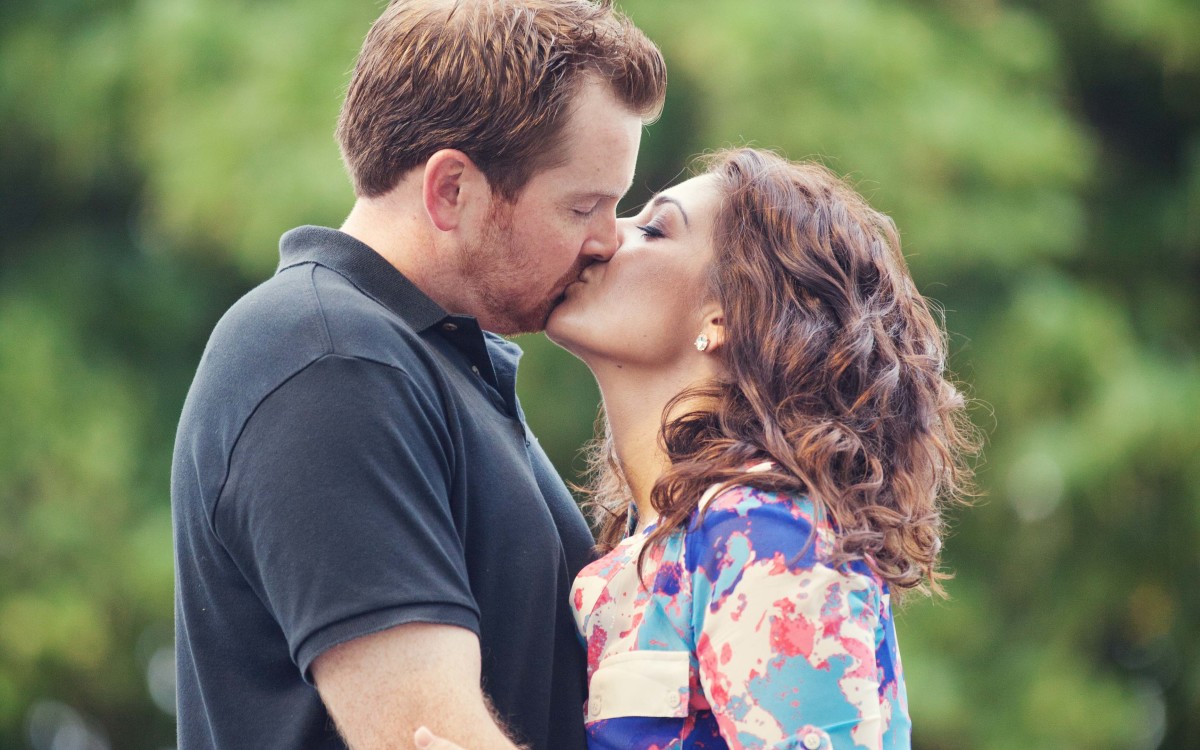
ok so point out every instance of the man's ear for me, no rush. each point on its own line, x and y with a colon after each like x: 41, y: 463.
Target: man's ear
x: 451, y: 186
x: 713, y: 328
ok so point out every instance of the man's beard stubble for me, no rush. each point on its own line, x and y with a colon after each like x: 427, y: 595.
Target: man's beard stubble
x: 500, y: 270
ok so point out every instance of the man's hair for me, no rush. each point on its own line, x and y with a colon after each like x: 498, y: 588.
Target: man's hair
x: 494, y: 79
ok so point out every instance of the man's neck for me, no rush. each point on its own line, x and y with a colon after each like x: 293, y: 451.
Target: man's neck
x: 402, y: 236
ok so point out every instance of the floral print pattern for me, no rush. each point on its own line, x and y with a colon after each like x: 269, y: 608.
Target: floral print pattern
x: 737, y: 635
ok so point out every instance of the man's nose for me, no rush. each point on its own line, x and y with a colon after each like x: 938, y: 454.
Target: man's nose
x: 604, y: 241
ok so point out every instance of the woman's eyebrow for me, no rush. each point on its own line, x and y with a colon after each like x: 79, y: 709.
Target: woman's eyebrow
x: 661, y: 199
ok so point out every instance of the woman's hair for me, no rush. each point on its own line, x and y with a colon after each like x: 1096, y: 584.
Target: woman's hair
x: 835, y: 372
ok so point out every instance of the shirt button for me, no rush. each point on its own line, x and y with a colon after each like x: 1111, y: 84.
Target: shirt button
x: 812, y: 741
x: 674, y: 699
x: 474, y: 369
x: 594, y: 707
x: 450, y: 327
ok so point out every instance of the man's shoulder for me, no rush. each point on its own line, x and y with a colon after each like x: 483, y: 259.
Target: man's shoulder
x: 301, y: 314
x: 280, y: 313
x: 282, y: 342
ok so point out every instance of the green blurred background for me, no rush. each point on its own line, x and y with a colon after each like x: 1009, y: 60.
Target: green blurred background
x: 1041, y: 158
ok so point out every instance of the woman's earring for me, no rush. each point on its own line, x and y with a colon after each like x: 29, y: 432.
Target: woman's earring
x: 701, y: 342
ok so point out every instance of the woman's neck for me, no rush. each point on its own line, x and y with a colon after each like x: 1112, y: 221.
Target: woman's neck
x: 634, y: 403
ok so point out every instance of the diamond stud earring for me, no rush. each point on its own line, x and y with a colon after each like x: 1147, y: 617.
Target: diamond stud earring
x: 701, y: 342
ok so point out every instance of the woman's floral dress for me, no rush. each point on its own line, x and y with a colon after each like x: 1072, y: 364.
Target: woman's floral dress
x: 740, y: 637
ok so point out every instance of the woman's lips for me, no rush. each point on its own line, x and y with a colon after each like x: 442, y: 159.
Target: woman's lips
x: 583, y: 279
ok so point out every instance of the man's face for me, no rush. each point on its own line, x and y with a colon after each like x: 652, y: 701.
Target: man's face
x: 563, y: 220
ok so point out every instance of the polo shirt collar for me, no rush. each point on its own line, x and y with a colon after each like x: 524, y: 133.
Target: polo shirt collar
x: 494, y: 358
x: 366, y: 269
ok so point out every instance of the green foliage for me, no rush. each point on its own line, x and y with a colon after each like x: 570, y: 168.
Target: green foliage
x: 1041, y: 159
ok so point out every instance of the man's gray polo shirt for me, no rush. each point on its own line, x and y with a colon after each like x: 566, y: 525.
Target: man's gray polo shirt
x: 351, y: 458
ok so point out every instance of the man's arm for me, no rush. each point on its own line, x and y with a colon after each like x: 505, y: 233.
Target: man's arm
x: 337, y: 512
x: 379, y: 688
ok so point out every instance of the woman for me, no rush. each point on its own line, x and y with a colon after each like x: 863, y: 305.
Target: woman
x: 780, y: 438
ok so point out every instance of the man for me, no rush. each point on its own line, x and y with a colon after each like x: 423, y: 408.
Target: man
x: 358, y: 504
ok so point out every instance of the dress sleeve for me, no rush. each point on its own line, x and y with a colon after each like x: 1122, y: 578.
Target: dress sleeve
x: 786, y: 644
x: 337, y: 509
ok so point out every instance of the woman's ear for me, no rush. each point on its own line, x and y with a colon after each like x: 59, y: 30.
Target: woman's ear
x: 712, y: 332
x: 451, y: 184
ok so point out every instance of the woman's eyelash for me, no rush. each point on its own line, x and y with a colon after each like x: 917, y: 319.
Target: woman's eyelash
x: 649, y: 231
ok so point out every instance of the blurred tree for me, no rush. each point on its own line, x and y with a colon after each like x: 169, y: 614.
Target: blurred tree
x: 127, y: 126
x: 1041, y: 158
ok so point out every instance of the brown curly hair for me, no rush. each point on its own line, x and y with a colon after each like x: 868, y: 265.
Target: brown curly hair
x: 835, y: 372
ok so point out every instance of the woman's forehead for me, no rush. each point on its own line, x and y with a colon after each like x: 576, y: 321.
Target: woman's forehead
x: 697, y: 195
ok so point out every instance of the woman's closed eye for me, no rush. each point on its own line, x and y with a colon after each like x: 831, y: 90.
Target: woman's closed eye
x: 652, y: 230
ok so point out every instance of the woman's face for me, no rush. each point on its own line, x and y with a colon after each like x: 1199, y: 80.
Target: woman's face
x: 644, y: 306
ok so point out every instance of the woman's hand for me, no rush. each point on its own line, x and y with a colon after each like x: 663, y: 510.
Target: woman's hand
x: 427, y: 740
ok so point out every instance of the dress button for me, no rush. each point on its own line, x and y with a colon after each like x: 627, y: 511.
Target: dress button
x: 450, y: 327
x: 812, y: 741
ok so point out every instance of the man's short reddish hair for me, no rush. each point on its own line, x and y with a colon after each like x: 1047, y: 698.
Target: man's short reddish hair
x: 491, y: 78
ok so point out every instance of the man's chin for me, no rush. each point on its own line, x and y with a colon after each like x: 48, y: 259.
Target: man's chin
x: 512, y: 322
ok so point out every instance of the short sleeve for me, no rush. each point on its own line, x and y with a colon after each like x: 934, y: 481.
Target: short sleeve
x: 786, y: 644
x: 337, y: 509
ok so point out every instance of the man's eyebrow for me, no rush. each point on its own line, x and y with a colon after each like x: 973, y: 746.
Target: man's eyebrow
x: 661, y: 199
x: 596, y: 195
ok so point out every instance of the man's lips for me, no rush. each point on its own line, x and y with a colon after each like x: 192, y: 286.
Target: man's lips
x: 562, y: 295
x: 582, y: 279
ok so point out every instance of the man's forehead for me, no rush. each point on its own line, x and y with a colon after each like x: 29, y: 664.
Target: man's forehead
x: 602, y: 140
x: 578, y: 180
x: 585, y: 193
